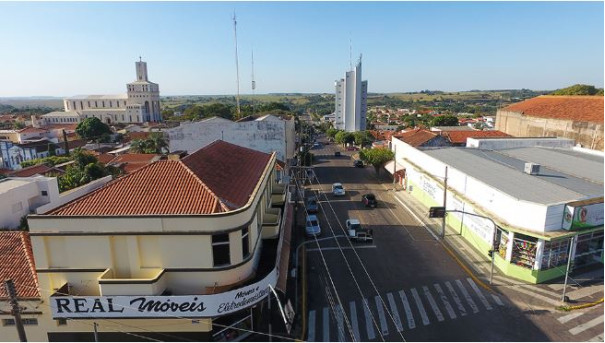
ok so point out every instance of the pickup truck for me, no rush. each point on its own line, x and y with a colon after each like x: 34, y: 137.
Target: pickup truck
x: 356, y: 233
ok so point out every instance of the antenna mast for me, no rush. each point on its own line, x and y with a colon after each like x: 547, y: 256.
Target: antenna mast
x: 253, y: 82
x: 236, y: 64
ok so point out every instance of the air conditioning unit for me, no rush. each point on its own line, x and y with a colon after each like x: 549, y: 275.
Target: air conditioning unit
x: 532, y: 168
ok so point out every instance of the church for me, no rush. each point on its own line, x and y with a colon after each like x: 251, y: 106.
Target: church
x: 141, y: 103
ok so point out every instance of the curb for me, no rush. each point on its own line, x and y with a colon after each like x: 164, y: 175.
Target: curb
x: 578, y: 307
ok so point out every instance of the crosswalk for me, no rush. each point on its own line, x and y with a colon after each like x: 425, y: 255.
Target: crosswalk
x: 396, y: 312
x: 584, y: 324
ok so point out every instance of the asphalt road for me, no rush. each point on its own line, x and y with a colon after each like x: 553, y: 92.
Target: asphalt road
x: 403, y: 285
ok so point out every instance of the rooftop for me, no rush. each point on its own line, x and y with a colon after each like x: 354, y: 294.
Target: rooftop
x: 459, y: 137
x: 583, y: 108
x: 565, y: 175
x: 40, y: 169
x: 416, y: 137
x: 17, y: 264
x: 216, y: 178
x: 99, y: 97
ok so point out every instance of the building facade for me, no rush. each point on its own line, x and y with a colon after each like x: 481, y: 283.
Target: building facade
x: 140, y: 103
x: 536, y: 214
x: 21, y: 196
x: 266, y: 134
x: 576, y: 117
x: 173, y: 251
x: 351, y: 101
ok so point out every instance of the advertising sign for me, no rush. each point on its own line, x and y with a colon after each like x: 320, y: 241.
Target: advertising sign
x: 188, y: 306
x: 577, y: 217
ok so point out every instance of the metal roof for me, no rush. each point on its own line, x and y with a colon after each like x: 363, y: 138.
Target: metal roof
x: 564, y: 175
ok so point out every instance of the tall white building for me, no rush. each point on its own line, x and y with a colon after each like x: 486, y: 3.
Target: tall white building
x: 140, y: 104
x: 351, y: 101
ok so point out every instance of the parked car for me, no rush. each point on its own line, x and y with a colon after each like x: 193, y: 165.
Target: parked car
x: 338, y: 189
x: 311, y: 205
x: 358, y: 163
x: 312, y: 227
x: 369, y: 200
x: 337, y: 154
x: 316, y: 145
x: 356, y: 233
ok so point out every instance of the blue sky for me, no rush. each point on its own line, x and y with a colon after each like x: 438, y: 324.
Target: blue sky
x: 64, y: 49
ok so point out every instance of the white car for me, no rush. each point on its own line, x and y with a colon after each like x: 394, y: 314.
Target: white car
x: 338, y: 189
x: 312, y: 226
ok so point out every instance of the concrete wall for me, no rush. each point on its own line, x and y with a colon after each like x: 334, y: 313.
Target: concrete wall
x: 21, y: 196
x: 589, y: 135
x: 265, y: 135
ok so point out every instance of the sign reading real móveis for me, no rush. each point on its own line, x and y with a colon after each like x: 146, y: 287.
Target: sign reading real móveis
x: 188, y: 306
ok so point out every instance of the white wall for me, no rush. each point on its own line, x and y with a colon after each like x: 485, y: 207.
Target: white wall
x: 21, y: 196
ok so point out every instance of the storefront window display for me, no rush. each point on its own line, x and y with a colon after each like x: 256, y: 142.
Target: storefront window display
x: 555, y: 253
x: 503, y: 234
x: 524, y: 250
x: 589, y: 248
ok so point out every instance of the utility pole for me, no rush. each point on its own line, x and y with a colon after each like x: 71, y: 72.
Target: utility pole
x: 15, y: 309
x: 95, y: 325
x: 444, y: 203
x: 569, y: 258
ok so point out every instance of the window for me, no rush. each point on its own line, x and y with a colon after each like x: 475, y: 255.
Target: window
x: 555, y: 253
x: 220, y: 249
x: 61, y: 321
x: 25, y: 321
x: 245, y: 243
x: 44, y: 193
x: 524, y: 250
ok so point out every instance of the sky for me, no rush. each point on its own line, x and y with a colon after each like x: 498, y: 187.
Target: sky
x: 77, y: 48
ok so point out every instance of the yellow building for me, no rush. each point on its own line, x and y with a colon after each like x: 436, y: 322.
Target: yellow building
x: 166, y: 252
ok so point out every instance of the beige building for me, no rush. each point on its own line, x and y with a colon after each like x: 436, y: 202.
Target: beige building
x: 141, y: 103
x: 173, y: 251
x: 575, y: 117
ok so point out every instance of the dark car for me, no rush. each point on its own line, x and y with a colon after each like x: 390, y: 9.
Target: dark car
x: 369, y: 200
x: 358, y: 163
x: 337, y: 154
x: 311, y: 205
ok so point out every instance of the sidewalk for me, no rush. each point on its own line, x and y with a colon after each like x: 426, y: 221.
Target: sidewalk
x: 581, y: 288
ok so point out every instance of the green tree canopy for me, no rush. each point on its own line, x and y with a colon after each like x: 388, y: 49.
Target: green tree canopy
x: 331, y: 132
x: 362, y: 138
x: 154, y: 144
x: 579, y: 89
x: 93, y: 129
x: 448, y: 120
x: 377, y: 157
x: 343, y: 137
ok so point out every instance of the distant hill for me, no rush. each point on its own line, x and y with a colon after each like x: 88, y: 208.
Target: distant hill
x: 33, y: 102
x: 579, y: 89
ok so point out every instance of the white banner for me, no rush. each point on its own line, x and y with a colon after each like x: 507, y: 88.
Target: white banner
x: 188, y: 306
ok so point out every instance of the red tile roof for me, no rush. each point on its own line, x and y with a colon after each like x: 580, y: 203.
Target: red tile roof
x: 66, y: 127
x: 136, y: 135
x: 235, y: 170
x: 104, y: 158
x: 459, y: 137
x: 577, y: 108
x: 131, y: 162
x: 31, y: 129
x: 40, y: 169
x: 416, y: 137
x: 216, y: 178
x: 17, y: 263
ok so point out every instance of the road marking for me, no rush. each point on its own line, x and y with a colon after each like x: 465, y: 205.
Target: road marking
x: 537, y: 296
x: 585, y: 291
x: 340, y: 323
x: 536, y: 288
x: 326, y: 327
x: 597, y: 338
x: 497, y: 300
x: 407, y: 309
x: 354, y: 321
x: 569, y: 317
x: 395, y: 312
x: 383, y: 320
x: 585, y: 326
x: 342, y: 248
x: 446, y: 302
x: 468, y: 298
x: 369, y: 322
x: 433, y: 304
x: 479, y: 294
x: 415, y: 216
x: 456, y: 298
x: 425, y: 318
x: 311, y: 332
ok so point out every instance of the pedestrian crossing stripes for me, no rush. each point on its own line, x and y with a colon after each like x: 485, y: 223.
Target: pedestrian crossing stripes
x: 585, y: 326
x: 400, y: 312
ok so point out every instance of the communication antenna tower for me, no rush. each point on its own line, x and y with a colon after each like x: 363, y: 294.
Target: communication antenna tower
x: 236, y: 63
x: 253, y: 82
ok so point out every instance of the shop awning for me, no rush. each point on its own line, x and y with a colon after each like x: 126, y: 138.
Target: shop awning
x: 391, y: 165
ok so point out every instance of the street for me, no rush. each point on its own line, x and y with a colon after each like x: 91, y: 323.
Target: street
x: 401, y: 286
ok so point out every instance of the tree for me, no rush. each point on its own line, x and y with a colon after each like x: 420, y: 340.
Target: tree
x: 331, y: 133
x: 343, y: 137
x: 448, y: 120
x: 579, y: 89
x: 376, y: 157
x: 93, y: 129
x: 154, y: 144
x: 362, y: 138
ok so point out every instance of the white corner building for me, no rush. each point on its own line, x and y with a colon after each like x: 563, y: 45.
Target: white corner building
x: 141, y: 103
x: 351, y: 101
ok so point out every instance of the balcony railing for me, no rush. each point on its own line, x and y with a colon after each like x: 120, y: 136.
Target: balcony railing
x: 143, y: 282
x: 271, y: 222
x: 278, y: 195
